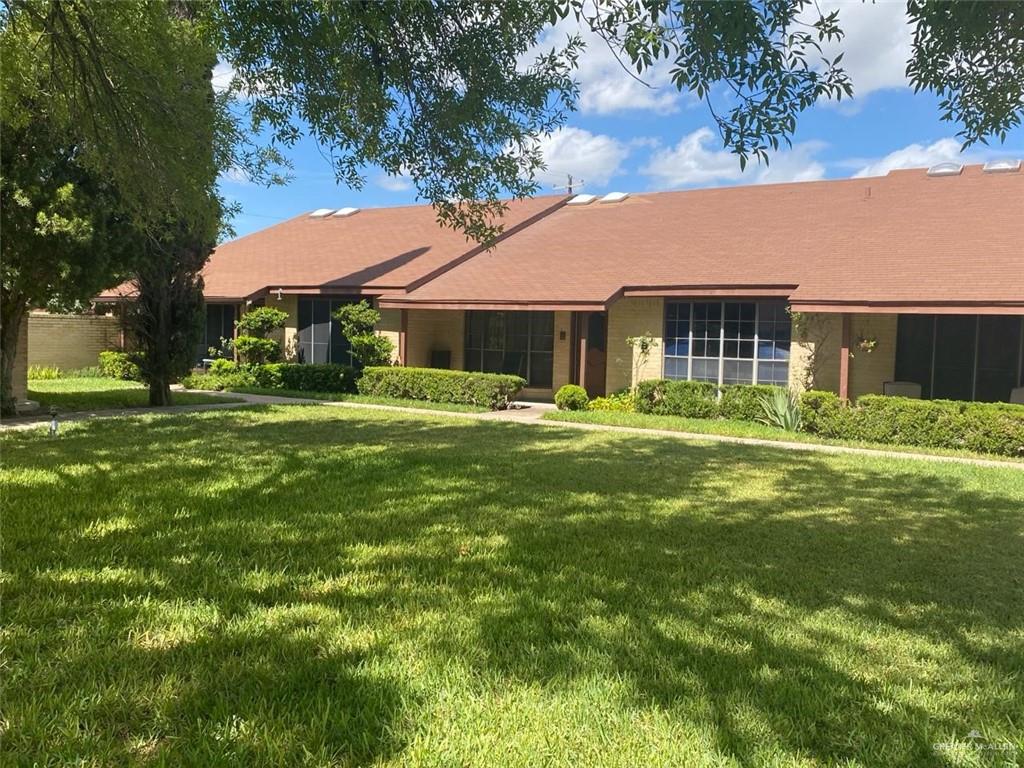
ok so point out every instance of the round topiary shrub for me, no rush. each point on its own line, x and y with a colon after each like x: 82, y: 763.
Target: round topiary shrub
x: 571, y: 397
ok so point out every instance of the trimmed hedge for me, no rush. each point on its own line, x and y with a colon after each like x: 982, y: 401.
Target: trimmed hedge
x: 493, y: 390
x: 996, y: 428
x: 700, y: 400
x: 325, y: 377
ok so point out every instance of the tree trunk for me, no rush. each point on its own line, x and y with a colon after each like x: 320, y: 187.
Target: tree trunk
x: 13, y: 310
x: 159, y: 392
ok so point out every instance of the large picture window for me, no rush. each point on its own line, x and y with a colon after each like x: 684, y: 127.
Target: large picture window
x: 320, y: 339
x: 727, y: 342
x: 520, y: 343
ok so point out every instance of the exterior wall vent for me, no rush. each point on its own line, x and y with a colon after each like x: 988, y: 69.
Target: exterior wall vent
x: 946, y: 169
x: 1001, y: 166
x: 582, y: 200
x: 615, y: 197
x: 319, y: 213
x: 343, y: 212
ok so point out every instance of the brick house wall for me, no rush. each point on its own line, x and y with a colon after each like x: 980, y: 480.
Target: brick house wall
x: 633, y: 317
x: 70, y: 341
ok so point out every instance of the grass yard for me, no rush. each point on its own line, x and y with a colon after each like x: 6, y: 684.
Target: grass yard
x: 94, y: 394
x: 324, y: 586
x: 352, y: 397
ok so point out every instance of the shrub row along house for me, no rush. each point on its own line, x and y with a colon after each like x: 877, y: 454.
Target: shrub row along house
x: 912, y: 283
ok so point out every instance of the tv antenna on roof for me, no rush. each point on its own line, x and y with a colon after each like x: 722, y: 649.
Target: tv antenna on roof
x: 572, y: 185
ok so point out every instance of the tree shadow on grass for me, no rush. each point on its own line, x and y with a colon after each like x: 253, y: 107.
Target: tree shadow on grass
x: 789, y: 605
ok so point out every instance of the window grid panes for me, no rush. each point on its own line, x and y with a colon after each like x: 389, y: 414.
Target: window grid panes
x: 519, y: 343
x: 727, y: 342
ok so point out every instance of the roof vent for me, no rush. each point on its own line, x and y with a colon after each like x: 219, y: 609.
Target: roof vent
x: 615, y: 197
x: 946, y: 169
x: 343, y: 212
x: 1001, y: 166
x: 319, y: 213
x: 582, y: 200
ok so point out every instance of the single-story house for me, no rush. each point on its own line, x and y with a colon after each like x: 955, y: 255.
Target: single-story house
x: 908, y: 283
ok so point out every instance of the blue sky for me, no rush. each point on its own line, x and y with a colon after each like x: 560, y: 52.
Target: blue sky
x: 629, y: 137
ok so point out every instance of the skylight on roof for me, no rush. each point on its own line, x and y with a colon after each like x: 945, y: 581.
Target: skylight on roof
x: 319, y: 213
x: 582, y: 200
x: 946, y: 169
x: 1001, y: 166
x: 342, y: 212
x: 615, y: 197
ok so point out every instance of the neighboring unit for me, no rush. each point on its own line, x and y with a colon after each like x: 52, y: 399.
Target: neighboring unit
x: 911, y: 280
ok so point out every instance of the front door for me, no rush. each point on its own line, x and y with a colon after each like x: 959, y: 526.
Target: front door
x: 590, y: 351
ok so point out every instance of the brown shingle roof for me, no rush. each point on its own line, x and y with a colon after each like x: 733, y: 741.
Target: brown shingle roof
x: 375, y: 250
x: 902, y: 239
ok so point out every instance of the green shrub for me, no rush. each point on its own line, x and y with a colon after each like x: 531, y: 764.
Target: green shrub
x: 255, y: 350
x: 292, y: 376
x: 996, y: 428
x: 358, y: 323
x: 493, y: 390
x: 323, y: 377
x: 261, y: 321
x: 743, y: 401
x: 669, y: 397
x: 222, y: 365
x: 119, y: 365
x: 44, y: 372
x: 219, y: 381
x: 620, y: 401
x: 571, y: 397
x: 821, y: 412
x: 780, y: 408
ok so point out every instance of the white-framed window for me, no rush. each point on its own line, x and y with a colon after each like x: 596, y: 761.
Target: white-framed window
x: 728, y: 342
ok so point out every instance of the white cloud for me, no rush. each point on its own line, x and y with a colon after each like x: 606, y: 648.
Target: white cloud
x: 595, y: 158
x: 692, y: 163
x: 606, y: 85
x: 913, y: 156
x: 400, y: 183
x: 235, y: 175
x: 876, y: 45
x: 223, y: 74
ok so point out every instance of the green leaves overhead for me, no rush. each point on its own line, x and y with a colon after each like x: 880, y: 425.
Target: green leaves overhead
x: 441, y: 92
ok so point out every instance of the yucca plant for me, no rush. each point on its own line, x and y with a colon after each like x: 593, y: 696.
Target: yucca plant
x: 780, y: 408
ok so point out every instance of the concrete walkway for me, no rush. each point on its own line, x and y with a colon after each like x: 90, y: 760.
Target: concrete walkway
x: 521, y: 413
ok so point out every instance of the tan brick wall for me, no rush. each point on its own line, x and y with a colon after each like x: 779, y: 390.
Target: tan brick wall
x: 70, y: 341
x: 389, y: 326
x: 633, y: 317
x: 870, y: 370
x: 430, y: 329
x: 562, y: 360
x: 817, y: 339
x: 814, y: 355
x: 289, y: 335
x: 19, y: 375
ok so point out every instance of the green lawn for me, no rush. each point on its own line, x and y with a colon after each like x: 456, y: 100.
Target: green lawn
x: 93, y: 394
x: 351, y: 397
x: 738, y: 428
x: 324, y: 586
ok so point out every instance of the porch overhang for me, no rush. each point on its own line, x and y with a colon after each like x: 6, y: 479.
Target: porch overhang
x: 323, y: 290
x: 704, y: 291
x: 508, y: 306
x: 911, y: 308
